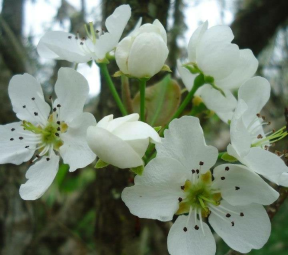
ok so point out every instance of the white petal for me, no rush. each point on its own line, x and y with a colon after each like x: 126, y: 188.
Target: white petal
x: 122, y: 53
x: 14, y: 151
x: 155, y: 194
x: 40, y: 176
x: 184, y: 141
x: 240, y: 137
x: 194, y: 41
x: 191, y: 242
x: 75, y: 150
x: 112, y: 149
x: 104, y: 122
x: 139, y: 146
x: 147, y: 55
x: 265, y: 163
x: 249, y: 232
x: 22, y: 88
x: 215, y: 47
x: 215, y: 101
x: 256, y: 93
x: 115, y: 123
x: 187, y: 77
x: 62, y: 45
x: 72, y: 91
x: 252, y: 188
x: 136, y: 130
x: 162, y: 30
x: 246, y: 67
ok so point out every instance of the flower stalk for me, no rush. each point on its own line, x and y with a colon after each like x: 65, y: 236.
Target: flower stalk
x: 142, y: 85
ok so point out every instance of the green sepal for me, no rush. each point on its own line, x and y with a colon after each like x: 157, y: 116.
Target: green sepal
x: 157, y: 129
x: 100, y: 164
x: 228, y: 158
x: 166, y: 68
x: 138, y: 170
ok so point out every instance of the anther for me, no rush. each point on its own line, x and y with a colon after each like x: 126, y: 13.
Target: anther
x: 228, y: 215
x: 50, y: 97
x: 69, y: 37
x: 47, y: 159
x: 237, y: 188
x: 11, y: 139
x: 26, y: 146
x: 21, y: 137
x: 182, y: 187
x: 37, y: 156
x: 12, y: 129
x: 58, y: 122
x: 193, y: 171
x: 185, y: 229
x: 76, y: 37
x: 180, y: 199
x: 263, y: 117
x: 83, y: 38
x: 259, y: 136
x: 201, y: 163
x: 197, y: 171
x: 24, y: 106
x: 36, y: 113
x: 58, y: 129
x: 81, y: 43
x: 33, y: 98
x: 196, y: 227
x: 59, y: 105
x: 232, y: 223
x: 226, y: 168
x: 97, y: 31
x: 54, y: 109
x: 57, y: 134
x: 258, y: 115
x: 222, y: 178
x: 242, y: 214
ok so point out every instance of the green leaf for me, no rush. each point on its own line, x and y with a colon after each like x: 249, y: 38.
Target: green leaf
x: 138, y: 170
x: 161, y: 101
x: 100, y: 164
x: 228, y: 158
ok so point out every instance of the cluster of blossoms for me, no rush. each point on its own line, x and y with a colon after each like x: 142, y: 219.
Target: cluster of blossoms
x: 182, y: 178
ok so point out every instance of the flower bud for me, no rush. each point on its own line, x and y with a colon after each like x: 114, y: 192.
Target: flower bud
x: 142, y: 54
x: 121, y: 142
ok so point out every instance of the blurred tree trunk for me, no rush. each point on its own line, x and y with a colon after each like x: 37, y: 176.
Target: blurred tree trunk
x: 117, y: 231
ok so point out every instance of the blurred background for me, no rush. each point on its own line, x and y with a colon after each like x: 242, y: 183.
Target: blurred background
x: 82, y: 212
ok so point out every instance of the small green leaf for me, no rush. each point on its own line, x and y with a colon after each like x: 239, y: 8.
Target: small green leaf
x: 100, y: 164
x: 166, y: 68
x: 138, y: 170
x: 228, y: 158
x: 157, y: 129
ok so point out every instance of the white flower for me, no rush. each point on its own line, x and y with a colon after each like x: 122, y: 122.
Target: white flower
x: 42, y: 132
x: 143, y: 53
x: 249, y: 143
x: 211, y: 52
x: 66, y: 46
x: 178, y: 181
x: 121, y: 142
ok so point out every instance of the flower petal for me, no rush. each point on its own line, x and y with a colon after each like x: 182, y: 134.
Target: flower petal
x: 115, y: 25
x: 215, y: 101
x: 184, y: 141
x: 14, y: 151
x: 155, y: 193
x: 191, y: 242
x: 40, y: 176
x: 112, y: 149
x: 215, y: 47
x: 187, y: 77
x: 27, y: 99
x: 122, y: 53
x: 240, y: 137
x: 195, y: 40
x: 63, y: 45
x: 75, y: 150
x: 137, y: 130
x: 162, y: 30
x: 117, y: 122
x: 256, y: 93
x: 242, y: 186
x: 147, y: 46
x: 245, y: 69
x: 265, y: 163
x: 250, y: 231
x: 72, y: 91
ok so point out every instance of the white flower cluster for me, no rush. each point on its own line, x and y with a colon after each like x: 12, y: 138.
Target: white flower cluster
x: 182, y: 179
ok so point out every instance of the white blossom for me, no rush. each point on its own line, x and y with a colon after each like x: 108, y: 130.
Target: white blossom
x: 249, y: 143
x: 225, y: 67
x: 179, y: 181
x: 45, y: 134
x: 143, y: 53
x: 73, y: 48
x: 121, y: 142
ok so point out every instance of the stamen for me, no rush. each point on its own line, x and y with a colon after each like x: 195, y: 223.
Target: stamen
x: 237, y: 188
x: 201, y: 222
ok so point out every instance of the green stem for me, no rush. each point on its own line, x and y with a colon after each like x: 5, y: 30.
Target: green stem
x: 142, y: 84
x: 105, y: 73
